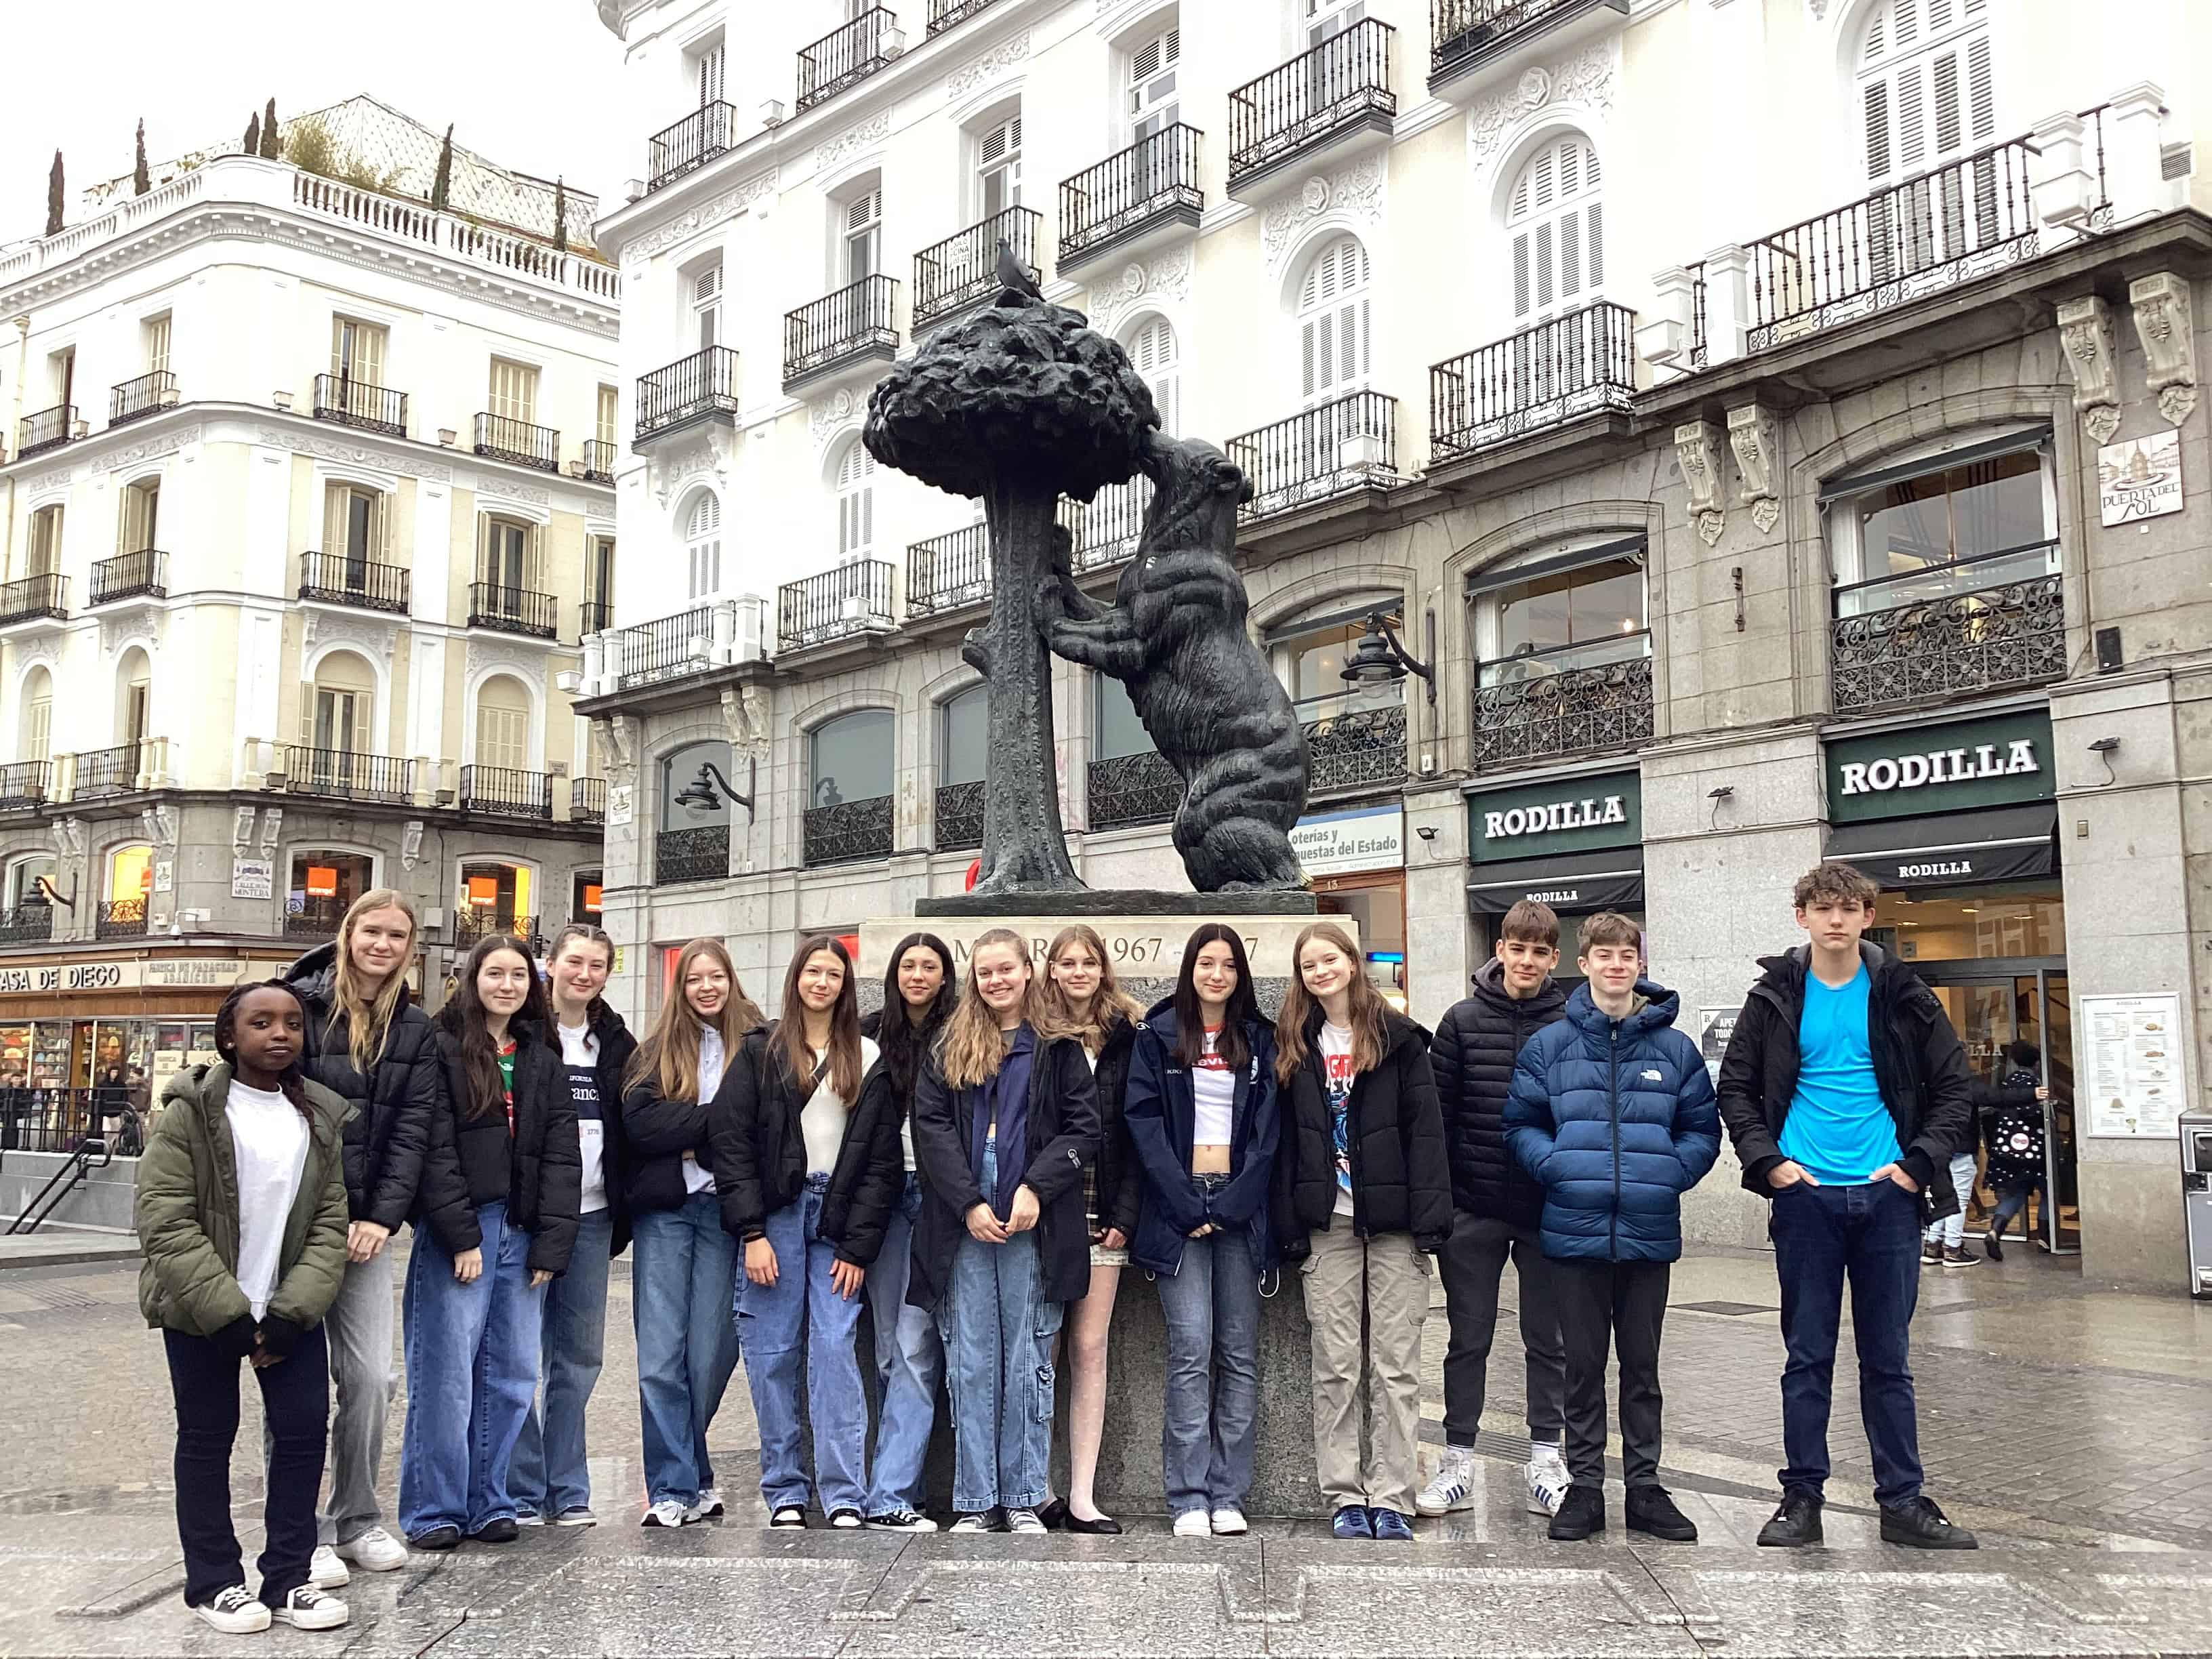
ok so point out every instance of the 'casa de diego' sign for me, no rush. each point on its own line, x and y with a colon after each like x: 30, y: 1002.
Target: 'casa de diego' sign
x: 1999, y: 761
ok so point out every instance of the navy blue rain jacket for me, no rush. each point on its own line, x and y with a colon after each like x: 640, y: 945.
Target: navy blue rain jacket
x: 1160, y: 1107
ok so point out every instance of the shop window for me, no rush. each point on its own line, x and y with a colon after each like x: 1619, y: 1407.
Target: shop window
x: 1560, y: 614
x: 1968, y: 924
x: 322, y: 887
x: 849, y: 758
x: 1966, y: 527
x: 586, y: 895
x: 495, y: 899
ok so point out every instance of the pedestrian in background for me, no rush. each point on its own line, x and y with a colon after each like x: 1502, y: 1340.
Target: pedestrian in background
x: 2012, y: 1113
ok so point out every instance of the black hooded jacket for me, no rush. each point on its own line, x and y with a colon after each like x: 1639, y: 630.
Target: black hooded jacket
x: 1400, y: 1178
x: 616, y: 1047
x: 1472, y: 1055
x: 538, y: 1170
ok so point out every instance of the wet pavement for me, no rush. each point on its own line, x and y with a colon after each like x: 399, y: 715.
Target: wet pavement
x: 2071, y: 1424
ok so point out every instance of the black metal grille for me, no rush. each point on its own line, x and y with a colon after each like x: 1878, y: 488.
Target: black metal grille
x: 1461, y: 33
x: 1343, y: 81
x: 312, y: 918
x: 856, y: 321
x: 944, y: 14
x: 128, y: 574
x: 599, y: 461
x: 705, y: 383
x: 1347, y: 444
x: 148, y: 394
x: 1578, y: 709
x: 355, y: 402
x: 1133, y: 789
x: 514, y: 610
x: 349, y: 776
x: 1557, y: 371
x: 693, y: 142
x: 34, y: 596
x: 850, y: 831
x: 505, y: 439
x: 24, y: 783
x: 963, y: 269
x: 661, y: 649
x: 1356, y: 747
x: 49, y: 429
x: 104, y: 772
x: 850, y: 599
x: 958, y: 816
x: 119, y: 918
x: 26, y: 924
x: 341, y: 579
x: 470, y: 927
x: 699, y: 853
x: 593, y: 617
x: 1106, y: 528
x: 845, y: 56
x: 587, y: 801
x: 1937, y: 649
x: 506, y: 793
x: 1126, y: 193
x: 947, y: 572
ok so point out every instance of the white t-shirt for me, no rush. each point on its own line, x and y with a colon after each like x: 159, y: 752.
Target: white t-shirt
x: 712, y: 1064
x: 1336, y: 1069
x: 822, y: 1120
x: 269, y: 1145
x: 579, y: 1054
x: 1213, y: 1090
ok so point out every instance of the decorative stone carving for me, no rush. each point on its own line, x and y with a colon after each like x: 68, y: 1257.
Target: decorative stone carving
x: 1585, y: 79
x: 2085, y: 329
x: 32, y: 649
x: 973, y: 74
x: 241, y: 830
x: 1167, y: 278
x: 488, y: 483
x: 1355, y: 192
x: 321, y: 627
x: 159, y: 826
x: 273, y: 829
x: 60, y: 478
x: 351, y: 454
x: 705, y: 216
x: 834, y: 412
x: 160, y: 443
x: 68, y: 838
x: 1698, y: 446
x: 410, y: 844
x: 2163, y: 313
x: 137, y: 621
x: 523, y: 657
x: 705, y: 450
x: 1754, y: 435
x: 831, y: 151
x: 745, y: 719
x: 620, y: 731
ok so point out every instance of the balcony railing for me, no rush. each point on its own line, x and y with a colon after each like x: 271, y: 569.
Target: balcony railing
x: 130, y: 574
x: 593, y: 616
x: 341, y: 579
x: 1544, y: 376
x: 345, y: 775
x: 1351, y: 745
x: 850, y: 831
x: 705, y: 383
x: 1131, y: 789
x: 693, y: 142
x: 587, y: 801
x: 701, y: 853
x: 313, y: 918
x: 962, y: 269
x: 26, y: 924
x: 1465, y: 32
x: 45, y: 595
x: 855, y: 322
x: 1928, y: 641
x: 101, y: 773
x: 1155, y: 178
x: 847, y: 600
x: 1348, y: 445
x: 947, y: 572
x: 958, y: 817
x: 149, y: 394
x: 1107, y: 528
x: 355, y: 402
x: 49, y: 429
x: 24, y: 783
x: 504, y: 792
x: 119, y: 918
x: 944, y: 14
x: 599, y: 461
x: 846, y: 56
x: 503, y: 438
x: 472, y: 926
x: 514, y: 610
x: 1545, y: 712
x: 665, y: 648
x: 1343, y: 82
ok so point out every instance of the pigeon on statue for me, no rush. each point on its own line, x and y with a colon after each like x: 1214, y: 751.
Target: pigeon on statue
x: 1013, y: 277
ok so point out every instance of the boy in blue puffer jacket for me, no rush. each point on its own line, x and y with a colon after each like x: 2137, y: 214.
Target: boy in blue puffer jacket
x: 1612, y: 1113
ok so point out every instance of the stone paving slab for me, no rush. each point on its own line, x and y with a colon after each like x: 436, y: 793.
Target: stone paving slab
x: 57, y: 1250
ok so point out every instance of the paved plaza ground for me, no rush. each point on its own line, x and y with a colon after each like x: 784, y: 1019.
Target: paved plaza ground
x: 2071, y: 1424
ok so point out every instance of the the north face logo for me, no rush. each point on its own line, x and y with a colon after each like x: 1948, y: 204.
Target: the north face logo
x: 1654, y: 1076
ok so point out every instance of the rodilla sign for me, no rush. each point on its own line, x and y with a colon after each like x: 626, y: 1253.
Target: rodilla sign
x: 2000, y: 761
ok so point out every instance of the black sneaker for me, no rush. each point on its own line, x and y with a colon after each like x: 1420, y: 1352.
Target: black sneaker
x: 1582, y: 1512
x: 437, y: 1538
x: 1931, y: 1254
x: 900, y: 1520
x: 501, y: 1530
x: 1651, y: 1509
x: 1795, y: 1523
x: 1990, y: 1242
x: 1918, y: 1524
x: 1957, y: 1255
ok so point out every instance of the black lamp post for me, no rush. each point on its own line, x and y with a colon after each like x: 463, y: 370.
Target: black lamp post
x: 701, y: 791
x: 1383, y: 660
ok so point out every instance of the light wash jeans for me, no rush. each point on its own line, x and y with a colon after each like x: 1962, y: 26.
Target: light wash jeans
x: 1212, y: 1409
x: 1952, y: 1229
x: 682, y: 1271
x: 551, y: 1472
x: 909, y: 1366
x: 359, y: 1327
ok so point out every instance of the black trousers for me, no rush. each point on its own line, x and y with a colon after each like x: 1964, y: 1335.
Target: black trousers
x: 1472, y: 1265
x: 295, y: 1399
x: 1616, y: 1306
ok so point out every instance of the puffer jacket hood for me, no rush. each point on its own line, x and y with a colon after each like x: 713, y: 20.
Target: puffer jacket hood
x: 316, y: 972
x: 1473, y: 1055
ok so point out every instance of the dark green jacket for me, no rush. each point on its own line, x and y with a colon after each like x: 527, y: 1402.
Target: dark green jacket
x: 187, y: 1217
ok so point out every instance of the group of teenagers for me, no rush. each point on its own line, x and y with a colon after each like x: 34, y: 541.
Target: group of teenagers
x: 981, y: 1160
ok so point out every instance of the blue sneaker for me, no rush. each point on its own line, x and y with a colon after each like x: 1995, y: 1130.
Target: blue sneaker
x: 1389, y: 1526
x: 1352, y: 1523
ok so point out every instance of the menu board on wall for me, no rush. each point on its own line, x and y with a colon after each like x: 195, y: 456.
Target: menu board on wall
x: 2132, y: 1079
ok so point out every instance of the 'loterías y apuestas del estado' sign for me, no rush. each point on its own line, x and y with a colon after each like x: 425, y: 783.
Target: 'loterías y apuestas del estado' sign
x: 2002, y: 760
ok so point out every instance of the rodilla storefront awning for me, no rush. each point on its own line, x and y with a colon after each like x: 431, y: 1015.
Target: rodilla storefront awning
x: 1952, y: 849
x: 1573, y: 883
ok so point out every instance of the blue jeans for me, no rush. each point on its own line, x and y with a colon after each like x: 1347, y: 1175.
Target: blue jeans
x: 1952, y: 1229
x: 471, y: 1372
x: 2012, y: 1199
x: 1211, y: 1304
x: 997, y: 1332
x: 550, y: 1473
x: 1869, y: 1234
x: 683, y: 1269
x: 910, y: 1365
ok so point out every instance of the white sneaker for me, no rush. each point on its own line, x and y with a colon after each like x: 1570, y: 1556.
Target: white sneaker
x: 375, y: 1551
x: 976, y: 1522
x: 528, y: 1518
x: 234, y: 1613
x: 327, y: 1571
x: 1024, y: 1520
x: 1193, y: 1524
x: 1452, y: 1487
x: 709, y: 1503
x: 666, y: 1513
x: 308, y: 1608
x: 1547, y: 1480
x: 1229, y: 1522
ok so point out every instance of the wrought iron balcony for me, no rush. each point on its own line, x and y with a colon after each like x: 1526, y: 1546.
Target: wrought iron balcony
x: 514, y: 610
x: 149, y: 394
x: 1105, y: 529
x: 471, y: 925
x: 948, y: 572
x: 344, y: 774
x: 848, y: 832
x: 127, y: 575
x: 1544, y: 376
x: 1544, y: 711
x: 24, y: 783
x: 705, y: 383
x: 355, y: 402
x: 587, y: 801
x: 119, y: 918
x: 857, y: 324
x: 846, y: 56
x: 103, y: 772
x: 49, y: 429
x: 341, y: 579
x: 957, y: 816
x: 699, y: 853
x: 945, y: 13
x: 312, y: 918
x: 503, y: 439
x: 599, y: 461
x: 845, y: 600
x: 1152, y: 183
x: 1929, y: 637
x: 1324, y: 94
x: 1464, y: 34
x: 504, y: 792
x: 691, y: 142
x: 593, y: 616
x: 666, y: 648
x: 1351, y: 744
x: 1131, y: 789
x: 962, y: 270
x: 1335, y: 449
x: 26, y: 924
x: 45, y: 595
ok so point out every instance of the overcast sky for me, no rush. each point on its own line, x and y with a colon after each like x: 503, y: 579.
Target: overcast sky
x: 527, y: 82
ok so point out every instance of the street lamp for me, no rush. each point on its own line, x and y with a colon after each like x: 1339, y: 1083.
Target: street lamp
x: 701, y: 791
x: 1381, y: 661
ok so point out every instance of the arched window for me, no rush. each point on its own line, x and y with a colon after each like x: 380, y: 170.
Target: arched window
x: 336, y: 716
x: 1556, y: 224
x: 1153, y: 348
x: 503, y: 723
x: 322, y: 887
x: 497, y: 899
x: 37, y: 735
x: 1334, y: 315
x: 693, y: 843
x: 130, y: 875
x: 848, y: 800
x: 963, y: 749
x: 134, y: 698
x: 1927, y: 96
x: 856, y: 502
x: 702, y: 540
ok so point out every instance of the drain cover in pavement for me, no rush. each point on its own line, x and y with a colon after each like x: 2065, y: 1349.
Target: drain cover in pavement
x: 1725, y: 1308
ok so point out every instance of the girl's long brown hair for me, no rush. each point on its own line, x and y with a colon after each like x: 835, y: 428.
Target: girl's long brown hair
x: 1299, y: 1005
x: 1111, y: 1005
x: 368, y: 1016
x: 670, y: 1054
x: 463, y: 1017
x: 974, y: 1047
x: 844, y: 1055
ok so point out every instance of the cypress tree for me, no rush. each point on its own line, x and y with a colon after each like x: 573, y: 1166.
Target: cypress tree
x: 54, y: 198
x: 270, y: 146
x: 441, y: 187
x: 140, y: 180
x: 560, y: 215
x: 252, y: 136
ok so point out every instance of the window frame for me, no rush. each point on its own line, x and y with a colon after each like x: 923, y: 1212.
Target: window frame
x: 1847, y: 556
x: 1486, y: 591
x: 885, y: 718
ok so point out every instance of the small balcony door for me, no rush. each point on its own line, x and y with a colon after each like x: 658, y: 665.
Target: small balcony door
x: 513, y: 392
x: 712, y: 63
x: 506, y: 565
x: 1555, y: 225
x: 358, y: 351
x: 707, y: 308
x: 863, y: 241
x: 998, y: 169
x: 1928, y: 99
x: 1155, y: 105
x: 353, y: 528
